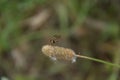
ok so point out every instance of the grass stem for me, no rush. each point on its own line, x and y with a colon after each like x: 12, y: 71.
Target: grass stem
x: 98, y: 60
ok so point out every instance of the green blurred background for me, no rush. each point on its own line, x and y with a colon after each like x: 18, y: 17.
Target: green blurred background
x: 89, y: 27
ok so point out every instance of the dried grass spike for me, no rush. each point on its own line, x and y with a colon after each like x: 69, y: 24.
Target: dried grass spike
x: 65, y: 54
x: 59, y: 53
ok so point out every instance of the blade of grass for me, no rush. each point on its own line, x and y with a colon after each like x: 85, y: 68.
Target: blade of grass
x: 98, y: 60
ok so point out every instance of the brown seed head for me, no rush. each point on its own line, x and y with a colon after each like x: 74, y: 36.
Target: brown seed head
x: 59, y: 53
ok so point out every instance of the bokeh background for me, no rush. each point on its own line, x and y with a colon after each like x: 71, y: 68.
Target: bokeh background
x: 89, y: 27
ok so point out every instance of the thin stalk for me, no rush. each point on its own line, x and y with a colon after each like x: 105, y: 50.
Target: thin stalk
x: 98, y: 60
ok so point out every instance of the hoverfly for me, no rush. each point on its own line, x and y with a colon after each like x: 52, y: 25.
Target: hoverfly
x: 55, y: 39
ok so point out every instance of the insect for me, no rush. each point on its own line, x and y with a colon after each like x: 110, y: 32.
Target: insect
x: 55, y: 39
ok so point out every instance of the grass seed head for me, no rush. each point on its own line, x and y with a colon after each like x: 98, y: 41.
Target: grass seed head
x: 59, y: 53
